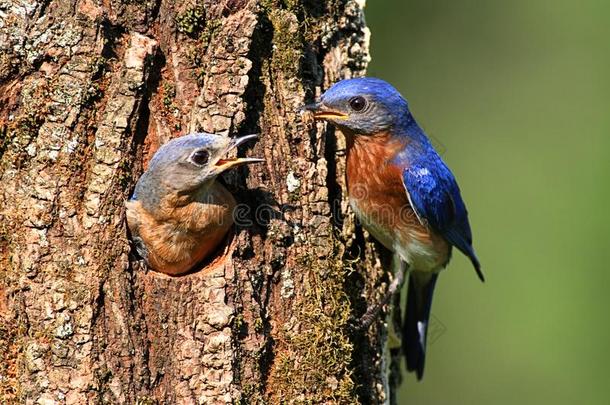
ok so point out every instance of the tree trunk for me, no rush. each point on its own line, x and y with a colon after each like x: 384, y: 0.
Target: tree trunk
x: 89, y: 89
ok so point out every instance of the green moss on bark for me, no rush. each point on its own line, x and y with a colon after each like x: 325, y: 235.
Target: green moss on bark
x: 315, y: 358
x: 287, y: 42
x: 191, y: 21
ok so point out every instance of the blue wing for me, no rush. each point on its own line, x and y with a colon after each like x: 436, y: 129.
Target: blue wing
x: 436, y: 199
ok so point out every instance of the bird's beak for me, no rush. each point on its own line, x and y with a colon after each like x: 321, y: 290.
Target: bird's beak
x: 321, y: 112
x: 226, y: 163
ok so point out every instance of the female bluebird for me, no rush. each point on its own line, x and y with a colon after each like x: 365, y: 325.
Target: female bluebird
x: 179, y: 213
x: 403, y: 194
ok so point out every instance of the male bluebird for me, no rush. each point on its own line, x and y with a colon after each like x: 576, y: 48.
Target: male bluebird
x: 403, y: 194
x: 179, y: 213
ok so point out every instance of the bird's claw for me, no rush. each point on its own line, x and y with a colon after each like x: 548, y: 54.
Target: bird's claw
x: 359, y: 325
x: 355, y: 325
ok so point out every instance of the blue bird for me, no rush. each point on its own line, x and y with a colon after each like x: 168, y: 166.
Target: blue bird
x: 179, y: 214
x: 403, y: 194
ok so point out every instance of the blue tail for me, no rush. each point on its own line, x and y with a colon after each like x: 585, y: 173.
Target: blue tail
x: 417, y: 315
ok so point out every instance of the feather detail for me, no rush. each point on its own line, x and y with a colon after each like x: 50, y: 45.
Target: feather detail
x: 182, y: 233
x: 377, y: 195
x: 436, y: 198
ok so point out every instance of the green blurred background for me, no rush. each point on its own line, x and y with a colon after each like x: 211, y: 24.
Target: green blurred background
x: 516, y: 95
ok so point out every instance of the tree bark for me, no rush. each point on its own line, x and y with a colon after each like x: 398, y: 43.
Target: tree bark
x: 89, y: 89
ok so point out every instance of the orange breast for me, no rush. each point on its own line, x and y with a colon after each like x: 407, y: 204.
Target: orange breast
x: 378, y: 196
x: 178, y: 237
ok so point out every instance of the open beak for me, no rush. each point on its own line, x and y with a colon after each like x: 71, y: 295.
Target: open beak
x: 321, y: 112
x: 223, y: 164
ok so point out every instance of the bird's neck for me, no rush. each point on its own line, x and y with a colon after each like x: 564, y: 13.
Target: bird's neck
x: 382, y: 145
x: 410, y: 129
x: 210, y: 192
x: 173, y: 203
x: 369, y: 161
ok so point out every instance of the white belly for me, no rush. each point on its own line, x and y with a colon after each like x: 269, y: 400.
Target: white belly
x: 419, y: 255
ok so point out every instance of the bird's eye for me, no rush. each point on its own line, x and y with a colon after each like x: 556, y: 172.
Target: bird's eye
x: 357, y: 103
x: 200, y: 157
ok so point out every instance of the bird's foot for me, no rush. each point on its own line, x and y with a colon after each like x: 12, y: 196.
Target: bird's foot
x: 354, y: 325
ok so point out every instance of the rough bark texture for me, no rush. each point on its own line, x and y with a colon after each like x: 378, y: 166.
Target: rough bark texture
x: 88, y: 91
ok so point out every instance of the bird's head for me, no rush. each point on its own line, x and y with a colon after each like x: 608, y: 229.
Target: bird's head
x: 364, y: 106
x: 189, y: 163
